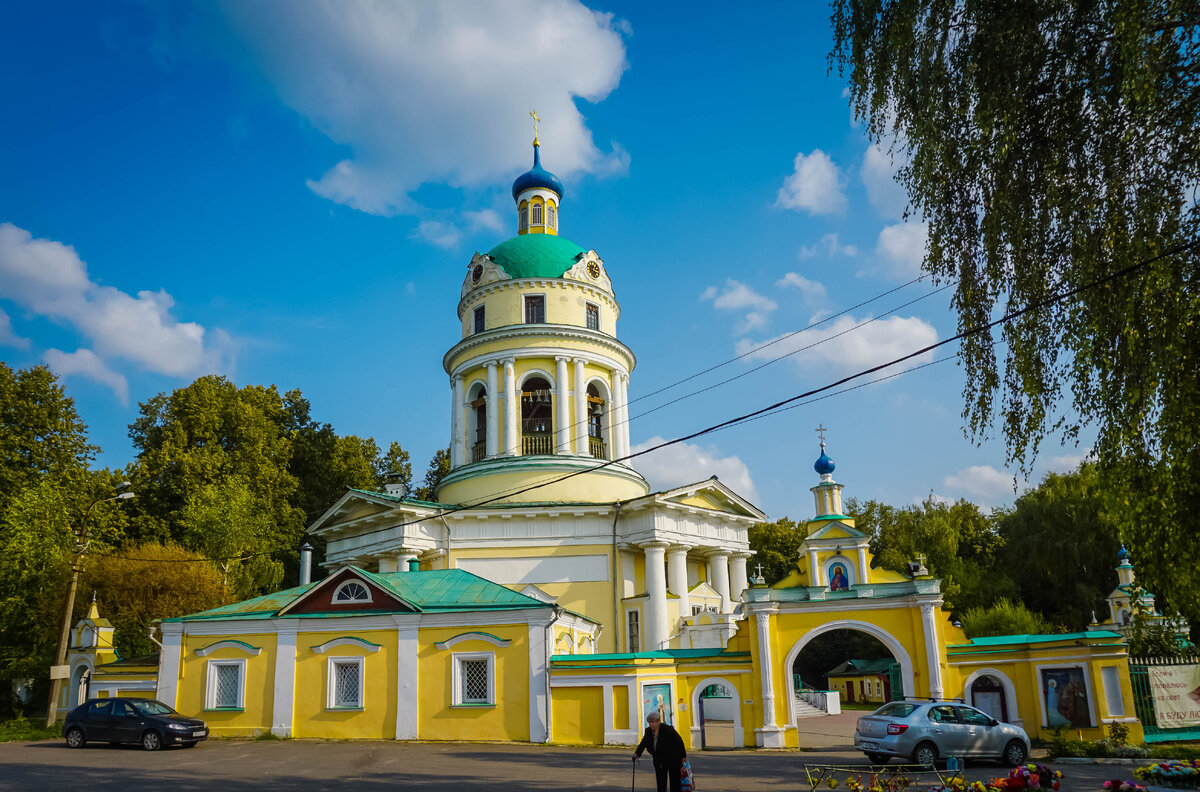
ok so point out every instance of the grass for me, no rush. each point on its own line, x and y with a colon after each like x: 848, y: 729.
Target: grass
x: 22, y: 730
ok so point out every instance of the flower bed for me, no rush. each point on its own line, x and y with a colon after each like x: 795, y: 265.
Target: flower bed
x: 1128, y: 785
x: 1026, y: 776
x: 1182, y: 773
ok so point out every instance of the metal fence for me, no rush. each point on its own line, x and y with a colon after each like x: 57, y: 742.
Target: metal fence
x: 1143, y: 698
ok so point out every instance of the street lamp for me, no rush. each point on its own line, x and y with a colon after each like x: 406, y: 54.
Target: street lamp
x: 81, y: 544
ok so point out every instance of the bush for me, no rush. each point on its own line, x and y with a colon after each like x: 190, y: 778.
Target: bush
x: 21, y: 730
x: 1003, y: 618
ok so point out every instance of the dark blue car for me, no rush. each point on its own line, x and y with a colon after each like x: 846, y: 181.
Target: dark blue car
x: 140, y: 721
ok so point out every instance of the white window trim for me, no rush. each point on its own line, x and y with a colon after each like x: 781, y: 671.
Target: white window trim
x: 346, y: 583
x: 456, y: 661
x: 210, y: 692
x: 525, y: 312
x: 641, y: 629
x: 331, y: 682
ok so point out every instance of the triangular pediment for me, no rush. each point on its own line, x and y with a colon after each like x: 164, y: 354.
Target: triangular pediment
x: 837, y: 530
x: 360, y: 506
x: 702, y: 589
x: 324, y: 598
x: 711, y: 495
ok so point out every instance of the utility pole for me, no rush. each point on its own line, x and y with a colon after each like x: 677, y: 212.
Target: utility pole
x: 60, y: 659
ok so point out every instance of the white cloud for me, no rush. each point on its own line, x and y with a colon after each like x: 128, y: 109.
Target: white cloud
x: 86, y: 363
x: 813, y: 186
x: 737, y: 296
x: 684, y: 463
x: 901, y: 248
x: 869, y: 345
x: 983, y: 481
x: 8, y: 336
x: 485, y: 218
x: 829, y: 244
x: 1066, y: 463
x: 878, y: 174
x: 50, y: 279
x: 437, y: 92
x: 811, y: 290
x: 435, y: 232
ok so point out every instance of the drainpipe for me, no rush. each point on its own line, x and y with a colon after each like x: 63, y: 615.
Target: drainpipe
x: 305, y: 564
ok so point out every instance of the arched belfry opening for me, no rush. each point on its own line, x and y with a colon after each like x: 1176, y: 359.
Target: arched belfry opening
x: 537, y: 417
x: 597, y: 417
x: 478, y: 422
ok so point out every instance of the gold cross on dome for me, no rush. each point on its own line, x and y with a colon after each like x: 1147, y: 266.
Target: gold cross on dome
x: 533, y: 114
x: 821, y: 430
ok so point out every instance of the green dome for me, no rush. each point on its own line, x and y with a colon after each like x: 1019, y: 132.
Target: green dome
x: 536, y: 255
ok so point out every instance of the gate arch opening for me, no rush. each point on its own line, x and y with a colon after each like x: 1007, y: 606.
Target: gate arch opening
x: 729, y: 709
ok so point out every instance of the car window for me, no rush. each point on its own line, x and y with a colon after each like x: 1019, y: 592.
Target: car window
x: 99, y: 709
x: 973, y: 716
x: 122, y: 710
x: 942, y: 714
x: 896, y: 709
x: 153, y: 708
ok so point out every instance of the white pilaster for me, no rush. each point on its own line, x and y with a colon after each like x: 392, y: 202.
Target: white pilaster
x: 460, y: 425
x: 737, y: 575
x: 512, y: 438
x: 770, y: 735
x: 454, y: 421
x: 493, y: 395
x: 581, y: 428
x: 863, y: 569
x: 285, y: 679
x: 407, y: 689
x: 814, y: 571
x: 932, y: 649
x: 677, y: 582
x: 168, y: 663
x: 563, y: 403
x: 621, y: 428
x: 718, y: 564
x: 656, y: 591
x: 539, y: 685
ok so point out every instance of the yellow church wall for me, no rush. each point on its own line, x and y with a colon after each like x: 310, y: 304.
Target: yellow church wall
x: 312, y: 716
x: 497, y: 348
x: 577, y: 715
x: 565, y: 300
x: 507, y: 719
x: 257, y: 683
x: 593, y: 487
x: 620, y: 708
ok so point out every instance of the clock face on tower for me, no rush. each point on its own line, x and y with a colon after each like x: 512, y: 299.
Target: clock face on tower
x: 593, y: 269
x: 477, y: 273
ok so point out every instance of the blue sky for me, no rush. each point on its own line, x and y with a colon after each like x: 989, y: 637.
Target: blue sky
x: 289, y: 193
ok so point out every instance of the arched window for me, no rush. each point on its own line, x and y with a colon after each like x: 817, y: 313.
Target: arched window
x: 523, y: 214
x: 479, y: 407
x: 536, y: 219
x: 537, y: 422
x: 595, y: 419
x: 550, y: 215
x: 352, y: 591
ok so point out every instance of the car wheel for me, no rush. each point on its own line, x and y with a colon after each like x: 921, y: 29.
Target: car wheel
x: 75, y: 738
x: 925, y: 755
x: 151, y: 741
x: 1015, y: 753
x: 877, y: 758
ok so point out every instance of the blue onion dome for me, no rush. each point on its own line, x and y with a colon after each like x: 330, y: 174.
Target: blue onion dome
x: 824, y: 465
x: 537, y: 177
x: 1123, y: 554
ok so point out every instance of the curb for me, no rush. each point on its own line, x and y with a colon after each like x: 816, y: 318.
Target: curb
x: 1104, y: 760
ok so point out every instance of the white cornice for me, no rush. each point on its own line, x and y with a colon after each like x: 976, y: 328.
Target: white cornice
x: 480, y: 292
x: 538, y: 332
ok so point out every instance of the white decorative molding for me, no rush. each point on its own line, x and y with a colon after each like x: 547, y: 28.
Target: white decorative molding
x: 346, y: 640
x: 473, y: 636
x: 253, y: 651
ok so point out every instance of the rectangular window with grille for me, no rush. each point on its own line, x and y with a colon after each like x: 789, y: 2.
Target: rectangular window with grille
x: 225, y: 678
x: 635, y: 637
x: 593, y: 317
x: 473, y: 683
x: 535, y: 309
x: 346, y: 682
x: 479, y: 319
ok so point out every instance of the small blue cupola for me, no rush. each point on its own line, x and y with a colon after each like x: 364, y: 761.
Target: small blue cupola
x: 536, y: 178
x: 824, y: 465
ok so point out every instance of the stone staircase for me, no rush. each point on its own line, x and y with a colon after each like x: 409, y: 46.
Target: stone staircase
x: 806, y: 710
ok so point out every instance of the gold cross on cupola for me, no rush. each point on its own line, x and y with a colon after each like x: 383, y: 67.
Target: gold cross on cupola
x: 821, y: 430
x: 536, y: 120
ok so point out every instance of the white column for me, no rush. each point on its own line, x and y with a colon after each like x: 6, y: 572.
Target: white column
x: 388, y: 563
x: 407, y: 690
x: 770, y: 735
x: 656, y: 590
x: 404, y: 556
x: 285, y: 679
x: 512, y: 438
x: 493, y: 394
x: 563, y: 403
x: 932, y: 650
x: 863, y: 570
x: 460, y: 426
x: 168, y: 663
x: 581, y: 429
x: 621, y: 386
x: 737, y: 575
x: 718, y: 564
x: 454, y: 411
x: 814, y: 571
x: 677, y: 582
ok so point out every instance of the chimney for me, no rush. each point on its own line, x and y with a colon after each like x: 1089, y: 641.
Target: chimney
x: 305, y: 564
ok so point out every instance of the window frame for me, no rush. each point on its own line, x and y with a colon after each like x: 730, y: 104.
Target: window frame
x: 523, y: 216
x: 331, y: 682
x: 636, y: 613
x: 525, y: 300
x: 591, y: 309
x: 210, y: 692
x: 537, y: 213
x: 479, y: 318
x: 551, y: 215
x: 336, y: 599
x: 456, y: 678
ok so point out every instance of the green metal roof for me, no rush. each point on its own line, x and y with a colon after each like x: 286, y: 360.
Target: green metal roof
x: 436, y: 591
x: 662, y: 654
x: 536, y: 255
x: 860, y: 667
x: 1008, y: 640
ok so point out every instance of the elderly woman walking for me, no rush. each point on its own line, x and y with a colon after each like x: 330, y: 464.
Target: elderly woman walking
x: 666, y: 747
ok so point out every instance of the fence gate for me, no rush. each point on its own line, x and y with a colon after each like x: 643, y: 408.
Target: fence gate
x: 1143, y: 698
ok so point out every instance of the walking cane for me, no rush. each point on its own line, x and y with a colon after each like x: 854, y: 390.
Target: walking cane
x: 633, y: 781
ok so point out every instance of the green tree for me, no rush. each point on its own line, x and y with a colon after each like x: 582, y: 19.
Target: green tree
x: 1050, y: 144
x: 439, y: 466
x: 138, y: 585
x: 1005, y: 617
x: 776, y: 546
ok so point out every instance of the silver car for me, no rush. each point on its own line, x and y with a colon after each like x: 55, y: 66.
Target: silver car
x: 926, y: 731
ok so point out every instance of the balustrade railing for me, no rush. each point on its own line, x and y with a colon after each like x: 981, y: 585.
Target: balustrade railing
x: 478, y: 452
x: 596, y: 448
x: 535, y: 444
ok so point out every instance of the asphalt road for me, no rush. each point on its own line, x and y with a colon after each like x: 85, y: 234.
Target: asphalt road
x: 236, y: 765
